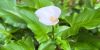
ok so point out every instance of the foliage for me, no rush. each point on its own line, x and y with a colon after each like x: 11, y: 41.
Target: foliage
x: 78, y: 27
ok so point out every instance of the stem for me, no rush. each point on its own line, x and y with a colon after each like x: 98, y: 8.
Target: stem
x: 62, y: 2
x: 53, y: 36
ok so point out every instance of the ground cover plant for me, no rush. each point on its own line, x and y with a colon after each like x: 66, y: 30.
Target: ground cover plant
x: 49, y: 24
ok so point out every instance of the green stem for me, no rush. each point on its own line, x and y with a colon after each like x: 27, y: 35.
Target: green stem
x: 53, y: 36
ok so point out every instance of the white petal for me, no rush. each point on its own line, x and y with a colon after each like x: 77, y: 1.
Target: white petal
x: 47, y: 21
x: 54, y: 11
x: 48, y: 11
x: 48, y: 15
x: 41, y: 13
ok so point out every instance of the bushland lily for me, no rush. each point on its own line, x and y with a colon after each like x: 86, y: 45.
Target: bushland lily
x: 48, y: 15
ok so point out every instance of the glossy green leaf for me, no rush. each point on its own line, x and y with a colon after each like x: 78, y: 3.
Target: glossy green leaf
x: 64, y: 44
x: 42, y: 3
x: 37, y: 27
x: 84, y: 46
x: 59, y: 30
x: 48, y: 45
x: 27, y: 16
x: 25, y: 44
x: 8, y: 8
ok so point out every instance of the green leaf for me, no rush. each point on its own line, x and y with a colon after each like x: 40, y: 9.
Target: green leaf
x: 70, y: 31
x: 86, y: 41
x: 94, y: 21
x: 89, y: 18
x: 88, y: 3
x: 35, y: 3
x: 19, y: 15
x: 59, y: 30
x: 42, y: 3
x: 64, y: 44
x: 97, y: 6
x: 85, y: 46
x: 8, y: 12
x: 48, y: 45
x: 33, y: 23
x: 25, y: 44
x: 4, y: 34
x: 26, y: 3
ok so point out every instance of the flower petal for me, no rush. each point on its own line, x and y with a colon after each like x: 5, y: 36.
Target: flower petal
x: 47, y: 21
x: 54, y: 11
x: 48, y: 11
x: 48, y: 15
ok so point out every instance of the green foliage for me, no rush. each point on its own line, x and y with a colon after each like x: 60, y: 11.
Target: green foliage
x: 24, y: 44
x: 78, y: 27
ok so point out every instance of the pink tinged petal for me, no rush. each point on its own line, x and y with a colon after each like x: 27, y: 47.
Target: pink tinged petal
x: 54, y: 11
x: 41, y: 13
x: 48, y: 15
x: 48, y: 21
x: 48, y: 11
x: 45, y: 21
x: 54, y: 20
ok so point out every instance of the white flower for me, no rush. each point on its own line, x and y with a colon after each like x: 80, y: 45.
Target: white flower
x: 48, y: 15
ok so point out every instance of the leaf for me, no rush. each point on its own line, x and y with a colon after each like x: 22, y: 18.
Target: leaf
x: 26, y: 44
x: 8, y: 12
x: 59, y: 30
x: 88, y: 3
x: 84, y: 17
x: 85, y: 46
x: 89, y: 18
x: 26, y: 3
x: 33, y: 23
x: 70, y: 31
x: 64, y: 44
x: 35, y: 3
x: 20, y: 16
x: 86, y: 41
x: 4, y: 34
x: 95, y: 21
x: 42, y: 3
x: 48, y: 45
x: 97, y: 6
